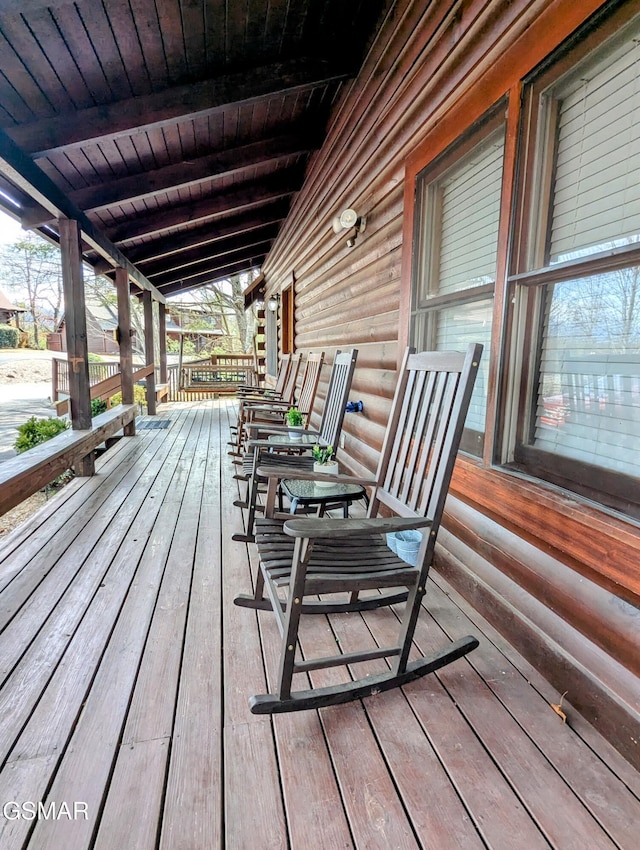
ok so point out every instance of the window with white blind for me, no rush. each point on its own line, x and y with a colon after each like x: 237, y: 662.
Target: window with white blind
x: 580, y: 423
x: 596, y: 205
x: 457, y: 243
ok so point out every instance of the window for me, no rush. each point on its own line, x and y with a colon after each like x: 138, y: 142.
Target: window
x: 287, y: 331
x: 458, y: 213
x: 579, y: 281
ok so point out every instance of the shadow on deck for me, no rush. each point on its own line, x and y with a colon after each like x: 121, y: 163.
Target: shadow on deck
x: 126, y: 671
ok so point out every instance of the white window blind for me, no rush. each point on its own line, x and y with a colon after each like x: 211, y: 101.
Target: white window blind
x: 470, y: 210
x: 596, y: 201
x: 457, y: 327
x: 588, y: 405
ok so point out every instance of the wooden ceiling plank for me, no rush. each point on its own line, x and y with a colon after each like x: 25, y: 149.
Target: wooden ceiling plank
x: 24, y: 173
x: 45, y: 96
x: 214, y: 32
x: 183, y: 174
x: 179, y: 103
x: 127, y: 38
x: 187, y: 135
x: 173, y: 38
x: 81, y: 48
x: 195, y: 45
x: 275, y: 25
x: 148, y: 31
x: 66, y: 73
x: 235, y: 29
x: 225, y: 202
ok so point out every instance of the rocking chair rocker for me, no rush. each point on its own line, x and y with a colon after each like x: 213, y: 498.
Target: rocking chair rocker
x: 302, y: 558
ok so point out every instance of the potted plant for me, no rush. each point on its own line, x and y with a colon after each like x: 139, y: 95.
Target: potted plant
x: 324, y: 463
x: 294, y: 421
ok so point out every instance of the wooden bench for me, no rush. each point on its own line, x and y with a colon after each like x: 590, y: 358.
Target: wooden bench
x: 162, y: 392
x: 24, y: 475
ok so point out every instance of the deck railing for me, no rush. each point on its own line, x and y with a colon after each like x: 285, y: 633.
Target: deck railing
x: 60, y: 375
x: 218, y: 374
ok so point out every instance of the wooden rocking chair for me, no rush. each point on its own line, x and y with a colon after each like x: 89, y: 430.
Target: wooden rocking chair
x: 259, y: 449
x: 286, y: 397
x: 271, y: 412
x: 249, y: 390
x: 302, y: 558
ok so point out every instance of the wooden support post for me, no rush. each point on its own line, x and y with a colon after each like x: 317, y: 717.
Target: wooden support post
x: 163, y: 342
x: 76, y: 330
x: 124, y: 341
x: 54, y: 379
x: 180, y: 357
x: 148, y: 350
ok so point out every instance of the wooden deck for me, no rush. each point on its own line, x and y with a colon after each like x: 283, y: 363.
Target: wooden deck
x: 126, y: 672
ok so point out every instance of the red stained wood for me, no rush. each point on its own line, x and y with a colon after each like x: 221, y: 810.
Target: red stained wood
x: 130, y: 674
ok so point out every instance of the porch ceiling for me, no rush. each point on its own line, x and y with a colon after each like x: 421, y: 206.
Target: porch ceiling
x: 177, y: 133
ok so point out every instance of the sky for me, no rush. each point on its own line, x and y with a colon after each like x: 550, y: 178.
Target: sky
x: 10, y: 230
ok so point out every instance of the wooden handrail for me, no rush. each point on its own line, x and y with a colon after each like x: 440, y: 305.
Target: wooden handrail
x: 105, y: 389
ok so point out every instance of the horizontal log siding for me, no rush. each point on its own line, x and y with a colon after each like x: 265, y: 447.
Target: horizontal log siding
x: 434, y: 69
x: 422, y: 63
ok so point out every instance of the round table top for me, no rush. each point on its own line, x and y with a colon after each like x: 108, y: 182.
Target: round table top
x: 303, y: 491
x: 304, y: 439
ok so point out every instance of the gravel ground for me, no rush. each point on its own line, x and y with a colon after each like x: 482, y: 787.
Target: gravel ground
x: 27, y: 371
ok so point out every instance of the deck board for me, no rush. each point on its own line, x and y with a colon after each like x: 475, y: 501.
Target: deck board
x: 126, y: 670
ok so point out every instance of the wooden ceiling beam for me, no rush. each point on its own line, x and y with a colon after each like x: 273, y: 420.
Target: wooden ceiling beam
x: 211, y: 231
x: 181, y: 175
x: 213, y: 264
x: 213, y: 276
x: 210, y: 252
x: 176, y: 104
x: 225, y: 202
x: 22, y: 172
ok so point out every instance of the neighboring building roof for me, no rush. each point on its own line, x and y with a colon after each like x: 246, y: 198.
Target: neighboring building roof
x: 5, y: 304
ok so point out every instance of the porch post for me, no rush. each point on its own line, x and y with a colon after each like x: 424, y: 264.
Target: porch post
x: 163, y: 342
x: 124, y: 341
x: 148, y: 350
x: 76, y: 332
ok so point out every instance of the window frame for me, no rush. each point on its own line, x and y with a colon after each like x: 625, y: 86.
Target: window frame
x: 423, y: 307
x: 529, y: 281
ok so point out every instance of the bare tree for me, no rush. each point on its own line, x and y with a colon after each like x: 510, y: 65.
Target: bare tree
x: 223, y: 303
x: 32, y: 269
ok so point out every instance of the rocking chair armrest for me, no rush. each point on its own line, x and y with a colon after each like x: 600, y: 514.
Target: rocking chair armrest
x: 281, y: 472
x: 259, y: 404
x: 268, y: 428
x: 275, y: 405
x: 314, y: 528
x: 280, y: 447
x: 281, y: 429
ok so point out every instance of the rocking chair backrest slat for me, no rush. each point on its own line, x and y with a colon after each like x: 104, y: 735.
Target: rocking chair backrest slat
x: 283, y: 373
x: 424, y: 432
x: 288, y: 392
x: 310, y: 379
x: 344, y: 364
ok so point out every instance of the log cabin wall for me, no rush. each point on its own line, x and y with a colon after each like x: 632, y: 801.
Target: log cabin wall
x: 559, y: 576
